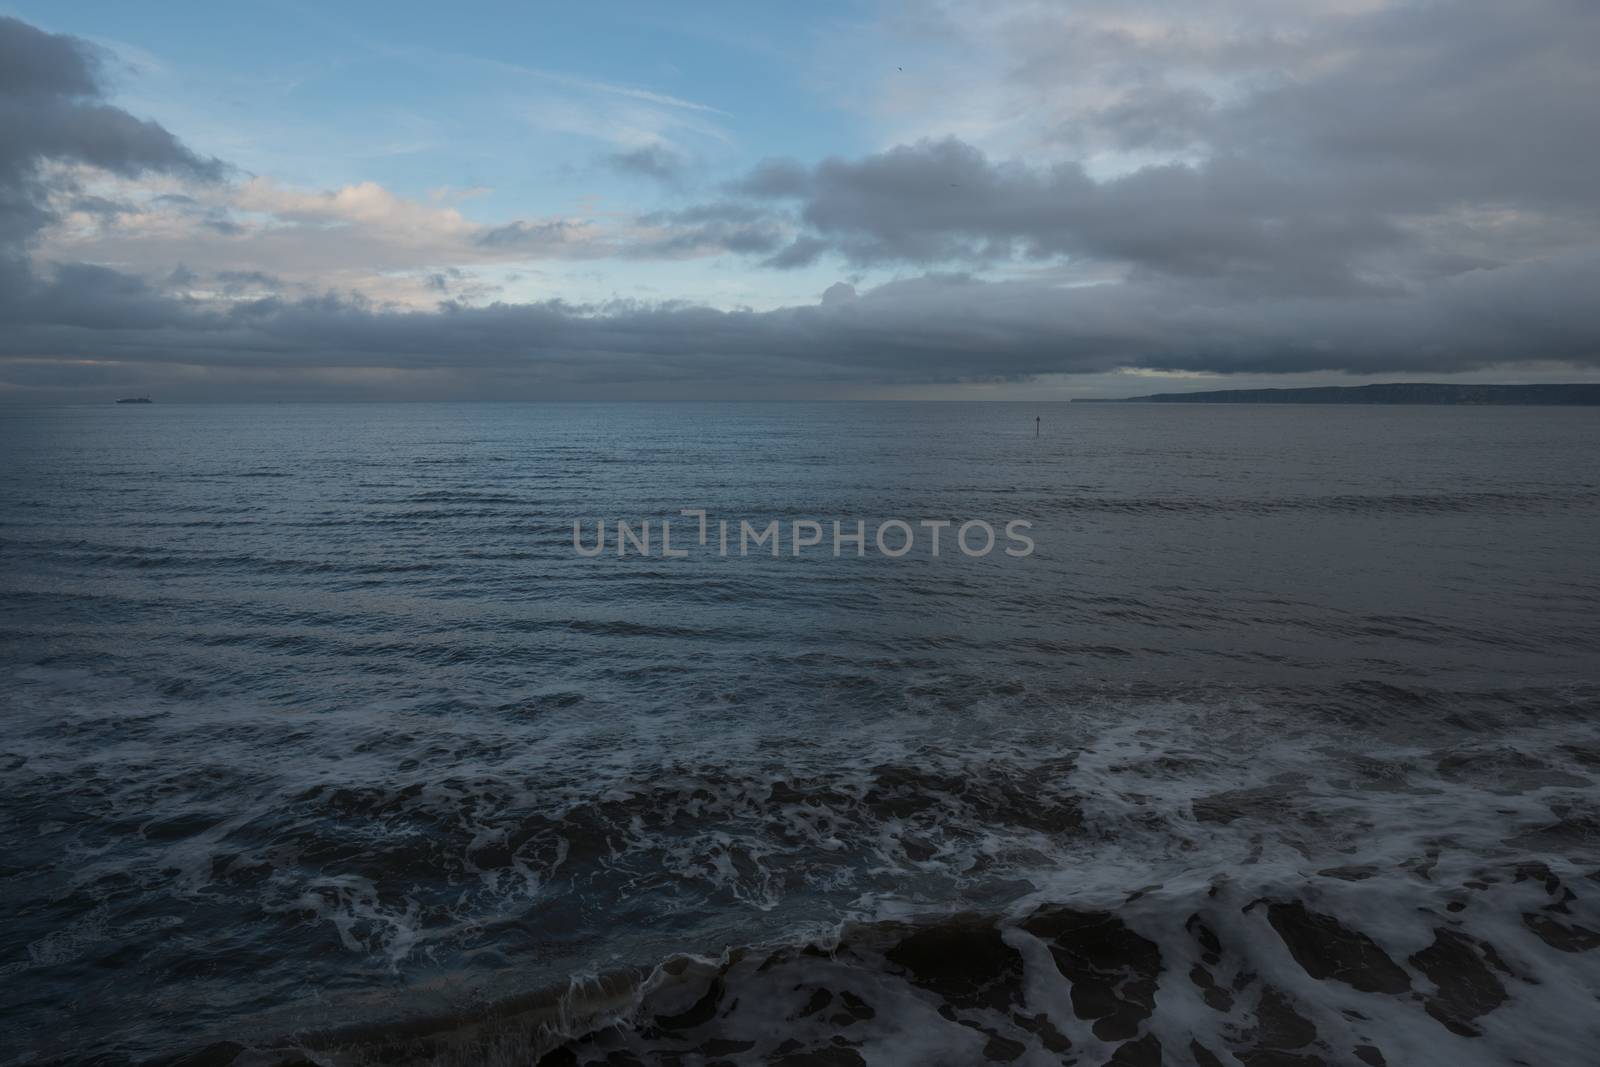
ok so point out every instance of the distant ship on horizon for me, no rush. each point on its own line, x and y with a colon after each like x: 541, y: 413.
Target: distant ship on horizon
x: 135, y: 400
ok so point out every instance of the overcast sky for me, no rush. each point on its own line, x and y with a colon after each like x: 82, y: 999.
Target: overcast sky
x: 1006, y: 199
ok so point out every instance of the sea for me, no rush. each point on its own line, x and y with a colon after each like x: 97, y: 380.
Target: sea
x: 321, y: 742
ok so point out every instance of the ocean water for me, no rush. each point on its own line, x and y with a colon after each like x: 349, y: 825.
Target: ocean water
x: 319, y: 742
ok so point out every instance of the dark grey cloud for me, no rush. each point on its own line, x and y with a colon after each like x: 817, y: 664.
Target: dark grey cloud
x: 51, y: 112
x: 651, y: 161
x: 1364, y: 154
x: 728, y: 211
x: 1421, y: 104
x: 776, y: 179
x: 51, y: 109
x: 801, y: 252
x: 740, y: 238
x: 35, y: 63
x: 744, y: 229
x: 943, y: 202
x: 241, y: 281
x: 521, y: 234
x: 101, y: 207
x: 93, y: 300
x: 935, y: 328
x: 1157, y: 117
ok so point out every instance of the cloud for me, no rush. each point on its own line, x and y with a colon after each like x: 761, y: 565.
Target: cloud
x: 726, y: 226
x: 943, y: 202
x: 525, y: 235
x: 364, y: 237
x: 1345, y: 147
x: 84, y: 181
x: 51, y: 110
x: 801, y: 252
x: 1326, y: 150
x: 775, y: 179
x: 935, y: 328
x: 1231, y: 187
x: 649, y: 161
x: 361, y: 237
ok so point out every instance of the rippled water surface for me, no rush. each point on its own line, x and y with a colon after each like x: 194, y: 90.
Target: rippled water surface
x: 317, y: 738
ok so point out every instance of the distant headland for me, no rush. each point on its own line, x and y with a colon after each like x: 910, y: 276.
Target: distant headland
x: 135, y: 400
x: 1400, y: 393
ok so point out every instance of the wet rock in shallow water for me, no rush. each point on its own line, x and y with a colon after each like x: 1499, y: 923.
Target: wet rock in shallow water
x: 1002, y: 1049
x: 1113, y: 970
x: 1538, y: 872
x: 1504, y: 771
x: 833, y: 1056
x: 223, y: 1053
x: 819, y: 1000
x: 964, y: 961
x: 703, y: 1011
x: 1280, y: 1026
x: 1423, y: 865
x: 1467, y: 988
x: 217, y: 1055
x: 1570, y: 830
x: 857, y: 1007
x: 1557, y: 935
x: 1145, y: 1052
x: 1208, y: 939
x: 1216, y: 997
x: 1275, y: 1058
x: 722, y: 1046
x: 1041, y: 1026
x: 1223, y: 808
x: 1325, y: 948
